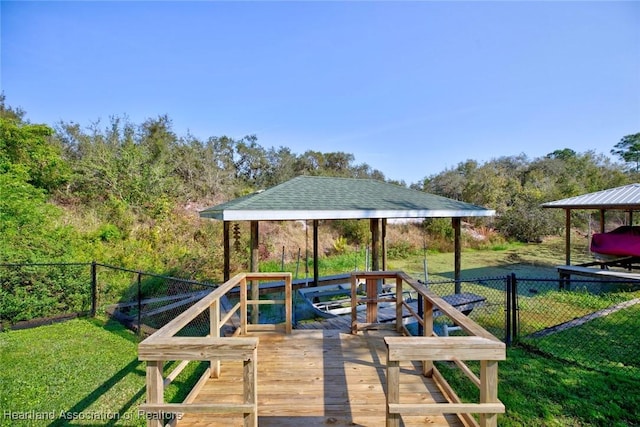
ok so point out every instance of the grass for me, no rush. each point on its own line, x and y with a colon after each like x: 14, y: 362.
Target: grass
x: 89, y: 367
x: 616, y: 338
x: 538, y: 390
x: 84, y: 371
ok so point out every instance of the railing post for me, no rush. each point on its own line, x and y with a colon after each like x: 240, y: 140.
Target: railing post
x: 288, y: 304
x: 214, y: 331
x: 427, y: 319
x: 243, y: 306
x: 354, y: 304
x: 372, y: 300
x: 393, y: 390
x: 399, y: 304
x: 488, y: 390
x: 155, y: 391
x: 250, y: 376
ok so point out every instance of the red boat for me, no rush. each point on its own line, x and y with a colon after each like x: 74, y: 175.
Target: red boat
x: 622, y: 242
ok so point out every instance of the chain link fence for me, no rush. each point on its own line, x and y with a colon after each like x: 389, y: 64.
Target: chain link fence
x: 36, y: 294
x: 591, y: 322
x: 149, y: 301
x: 594, y: 323
x: 489, y: 312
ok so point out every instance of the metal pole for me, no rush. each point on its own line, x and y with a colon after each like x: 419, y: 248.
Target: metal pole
x: 507, y: 328
x: 514, y: 308
x: 94, y: 288
x: 139, y: 304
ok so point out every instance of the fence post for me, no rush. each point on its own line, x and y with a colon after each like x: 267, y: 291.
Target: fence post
x: 94, y: 288
x: 139, y: 304
x: 507, y: 328
x: 514, y: 307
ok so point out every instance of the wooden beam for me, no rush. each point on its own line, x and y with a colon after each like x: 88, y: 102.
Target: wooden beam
x: 197, y: 348
x: 255, y: 267
x: 372, y: 284
x: 567, y: 236
x: 155, y: 389
x: 199, y: 408
x: 489, y: 391
x: 393, y: 392
x: 214, y: 331
x: 446, y: 408
x: 226, y: 244
x: 384, y: 243
x: 249, y: 378
x: 375, y: 244
x: 316, y: 272
x: 444, y: 348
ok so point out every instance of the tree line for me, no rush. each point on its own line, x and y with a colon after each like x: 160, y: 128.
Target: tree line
x: 117, y: 187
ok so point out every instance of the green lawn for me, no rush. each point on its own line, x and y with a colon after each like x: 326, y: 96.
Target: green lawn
x: 83, y: 371
x: 89, y: 367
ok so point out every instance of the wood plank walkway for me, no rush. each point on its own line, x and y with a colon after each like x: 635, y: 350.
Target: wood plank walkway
x: 318, y: 378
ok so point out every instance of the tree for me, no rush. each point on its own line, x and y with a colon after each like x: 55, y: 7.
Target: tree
x: 628, y: 149
x: 27, y: 150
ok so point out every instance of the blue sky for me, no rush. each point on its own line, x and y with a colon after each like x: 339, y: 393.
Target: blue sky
x: 410, y: 88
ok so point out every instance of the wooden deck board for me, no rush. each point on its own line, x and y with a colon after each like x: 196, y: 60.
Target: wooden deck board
x: 319, y: 377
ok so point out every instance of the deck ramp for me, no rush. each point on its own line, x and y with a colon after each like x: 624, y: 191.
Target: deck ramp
x: 320, y: 378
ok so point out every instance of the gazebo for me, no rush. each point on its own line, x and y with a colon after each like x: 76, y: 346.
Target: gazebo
x: 327, y: 198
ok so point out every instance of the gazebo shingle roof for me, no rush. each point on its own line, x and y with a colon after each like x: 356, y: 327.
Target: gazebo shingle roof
x: 312, y: 197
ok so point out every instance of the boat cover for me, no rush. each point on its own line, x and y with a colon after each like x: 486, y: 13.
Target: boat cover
x: 623, y: 241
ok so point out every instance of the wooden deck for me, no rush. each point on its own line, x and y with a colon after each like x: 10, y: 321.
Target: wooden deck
x: 318, y: 378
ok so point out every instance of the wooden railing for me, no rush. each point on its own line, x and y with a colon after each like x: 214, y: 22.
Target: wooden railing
x: 164, y: 346
x: 478, y: 344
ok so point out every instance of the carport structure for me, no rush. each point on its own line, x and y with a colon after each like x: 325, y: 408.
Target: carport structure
x: 625, y: 198
x: 327, y: 198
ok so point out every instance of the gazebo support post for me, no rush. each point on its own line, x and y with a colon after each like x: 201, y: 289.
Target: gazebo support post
x: 384, y: 244
x: 316, y: 272
x: 226, y: 226
x: 373, y: 284
x: 457, y: 250
x: 254, y: 267
x: 602, y: 220
x: 567, y: 238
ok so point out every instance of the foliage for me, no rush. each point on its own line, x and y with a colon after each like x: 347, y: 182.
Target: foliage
x: 340, y: 245
x: 628, y: 149
x: 516, y: 187
x: 356, y: 232
x: 26, y: 150
x: 128, y: 194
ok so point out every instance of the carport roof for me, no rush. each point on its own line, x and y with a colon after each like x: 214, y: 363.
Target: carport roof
x: 313, y: 197
x: 623, y: 198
